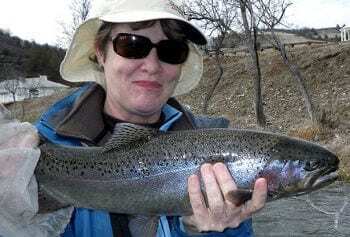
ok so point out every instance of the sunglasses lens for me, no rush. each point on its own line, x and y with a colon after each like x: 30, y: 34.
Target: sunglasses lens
x: 132, y: 46
x: 136, y: 47
x: 172, y: 51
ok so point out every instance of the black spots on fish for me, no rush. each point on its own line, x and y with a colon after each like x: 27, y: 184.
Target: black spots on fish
x: 197, y: 162
x: 268, y: 140
x: 166, y: 162
x: 298, y: 152
x: 244, y: 139
x: 133, y: 170
x: 145, y: 172
x: 261, y: 150
x: 163, y: 162
x: 246, y: 147
x: 42, y: 170
x: 145, y: 162
x: 276, y: 149
x: 186, y: 162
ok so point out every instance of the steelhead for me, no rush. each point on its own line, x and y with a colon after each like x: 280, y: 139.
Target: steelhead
x: 144, y: 171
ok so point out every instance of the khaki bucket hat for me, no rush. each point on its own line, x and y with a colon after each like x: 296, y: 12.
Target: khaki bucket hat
x: 77, y: 66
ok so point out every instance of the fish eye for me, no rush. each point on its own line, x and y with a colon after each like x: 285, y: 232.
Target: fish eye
x: 312, y: 165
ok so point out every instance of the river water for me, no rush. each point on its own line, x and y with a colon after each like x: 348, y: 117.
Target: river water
x: 322, y: 213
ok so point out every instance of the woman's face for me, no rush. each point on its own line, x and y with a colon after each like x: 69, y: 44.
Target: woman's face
x: 137, y: 88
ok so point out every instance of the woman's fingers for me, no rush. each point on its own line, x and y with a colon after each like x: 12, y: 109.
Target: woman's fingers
x: 196, y: 196
x: 258, y: 199
x: 224, y: 179
x: 219, y: 213
x: 214, y: 196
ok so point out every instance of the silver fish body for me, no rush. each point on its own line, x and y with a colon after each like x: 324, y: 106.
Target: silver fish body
x: 140, y: 171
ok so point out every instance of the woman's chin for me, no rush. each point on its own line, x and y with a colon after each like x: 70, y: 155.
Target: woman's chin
x: 148, y: 109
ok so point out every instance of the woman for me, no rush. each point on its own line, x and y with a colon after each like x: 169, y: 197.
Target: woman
x: 141, y: 54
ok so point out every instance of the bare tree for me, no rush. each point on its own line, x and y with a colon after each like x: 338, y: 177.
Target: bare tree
x: 249, y: 23
x: 80, y: 10
x: 217, y: 17
x: 10, y: 83
x: 12, y: 86
x: 10, y: 79
x: 271, y: 15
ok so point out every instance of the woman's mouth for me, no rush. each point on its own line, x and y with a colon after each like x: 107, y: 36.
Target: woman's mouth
x: 151, y: 85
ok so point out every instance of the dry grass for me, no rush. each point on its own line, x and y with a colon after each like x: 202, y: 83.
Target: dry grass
x: 30, y: 110
x: 309, y: 132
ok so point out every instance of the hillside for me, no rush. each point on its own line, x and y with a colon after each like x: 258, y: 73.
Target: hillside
x: 28, y: 59
x: 326, y: 69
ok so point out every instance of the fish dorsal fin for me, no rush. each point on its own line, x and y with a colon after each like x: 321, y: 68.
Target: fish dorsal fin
x: 239, y: 196
x: 125, y: 134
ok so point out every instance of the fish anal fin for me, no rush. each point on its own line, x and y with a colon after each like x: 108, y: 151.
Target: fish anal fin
x: 239, y: 196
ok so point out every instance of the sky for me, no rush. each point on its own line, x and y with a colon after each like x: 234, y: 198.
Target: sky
x: 38, y: 20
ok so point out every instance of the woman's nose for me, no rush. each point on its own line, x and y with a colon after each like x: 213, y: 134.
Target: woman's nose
x: 151, y: 62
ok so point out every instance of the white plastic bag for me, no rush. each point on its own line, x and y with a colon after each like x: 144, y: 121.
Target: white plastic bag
x: 18, y: 187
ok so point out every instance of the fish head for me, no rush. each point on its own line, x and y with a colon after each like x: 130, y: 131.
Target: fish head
x: 303, y: 168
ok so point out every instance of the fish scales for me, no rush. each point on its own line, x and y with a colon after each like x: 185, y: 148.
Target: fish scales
x: 148, y: 175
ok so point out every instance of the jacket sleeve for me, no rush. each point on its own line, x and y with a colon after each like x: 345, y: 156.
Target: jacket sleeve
x: 243, y: 230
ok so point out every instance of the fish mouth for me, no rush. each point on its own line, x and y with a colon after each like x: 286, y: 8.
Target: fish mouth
x: 321, y: 178
x: 325, y: 180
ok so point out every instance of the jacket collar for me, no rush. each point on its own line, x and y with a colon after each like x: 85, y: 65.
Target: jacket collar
x: 83, y: 117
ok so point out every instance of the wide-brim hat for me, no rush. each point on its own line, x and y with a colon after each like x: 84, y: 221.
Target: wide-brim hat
x: 78, y: 67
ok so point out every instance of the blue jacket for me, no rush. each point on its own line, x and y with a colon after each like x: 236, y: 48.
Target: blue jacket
x: 95, y: 223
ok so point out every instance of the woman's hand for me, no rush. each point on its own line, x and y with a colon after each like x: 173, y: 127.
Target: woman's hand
x: 220, y: 213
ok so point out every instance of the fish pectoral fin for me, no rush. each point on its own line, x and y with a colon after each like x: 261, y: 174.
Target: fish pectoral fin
x: 126, y: 133
x: 239, y: 196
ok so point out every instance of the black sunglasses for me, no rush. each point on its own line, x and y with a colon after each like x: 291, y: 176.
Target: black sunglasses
x: 136, y: 46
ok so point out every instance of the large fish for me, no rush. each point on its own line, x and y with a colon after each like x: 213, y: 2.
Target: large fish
x: 144, y: 171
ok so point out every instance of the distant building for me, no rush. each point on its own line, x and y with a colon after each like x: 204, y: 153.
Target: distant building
x: 345, y: 34
x: 28, y: 88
